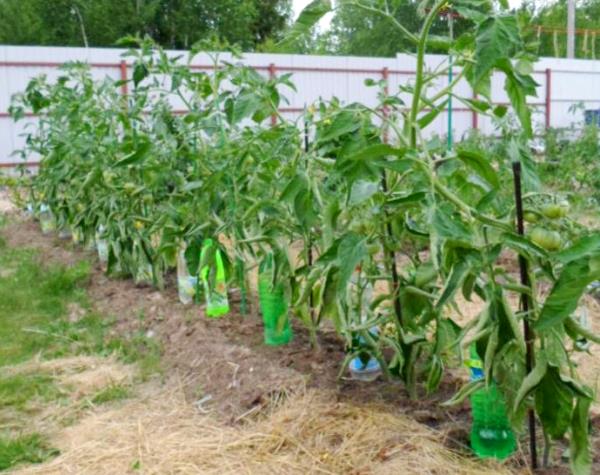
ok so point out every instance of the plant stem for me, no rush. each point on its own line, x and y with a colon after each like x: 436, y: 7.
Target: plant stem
x: 421, y: 47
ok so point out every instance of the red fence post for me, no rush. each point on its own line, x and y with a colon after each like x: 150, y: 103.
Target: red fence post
x: 385, y: 74
x: 123, y: 69
x: 272, y: 75
x: 548, y: 96
x: 474, y: 115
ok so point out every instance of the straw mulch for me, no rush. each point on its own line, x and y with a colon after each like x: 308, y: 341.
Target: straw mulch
x: 162, y: 433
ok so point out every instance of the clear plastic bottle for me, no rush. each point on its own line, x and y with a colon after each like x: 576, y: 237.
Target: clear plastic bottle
x: 47, y: 220
x: 491, y: 432
x: 102, y: 246
x: 186, y: 283
x: 363, y: 369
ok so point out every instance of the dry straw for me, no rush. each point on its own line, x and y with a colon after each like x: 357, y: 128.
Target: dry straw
x: 306, y: 433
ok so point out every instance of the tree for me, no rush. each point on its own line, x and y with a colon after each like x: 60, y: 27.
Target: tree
x: 548, y: 27
x: 172, y: 23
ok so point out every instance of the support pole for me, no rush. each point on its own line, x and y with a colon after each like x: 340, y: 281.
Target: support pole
x: 548, y: 97
x: 123, y: 70
x: 450, y: 78
x: 310, y: 241
x: 571, y: 29
x: 525, y: 306
x: 272, y: 74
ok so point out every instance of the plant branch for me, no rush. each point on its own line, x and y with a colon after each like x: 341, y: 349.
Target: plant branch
x: 421, y: 48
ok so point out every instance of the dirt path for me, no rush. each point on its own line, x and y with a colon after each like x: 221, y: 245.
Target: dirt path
x: 229, y: 404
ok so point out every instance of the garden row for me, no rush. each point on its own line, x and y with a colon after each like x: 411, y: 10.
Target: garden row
x: 405, y: 214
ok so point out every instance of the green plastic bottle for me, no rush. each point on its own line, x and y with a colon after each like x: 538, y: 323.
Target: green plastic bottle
x: 217, y: 303
x: 273, y: 306
x: 491, y: 432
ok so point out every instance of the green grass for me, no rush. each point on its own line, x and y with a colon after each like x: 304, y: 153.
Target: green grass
x: 18, y: 390
x: 114, y: 392
x: 34, y: 304
x: 31, y: 448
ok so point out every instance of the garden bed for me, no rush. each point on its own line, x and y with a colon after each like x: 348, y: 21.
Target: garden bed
x: 228, y: 402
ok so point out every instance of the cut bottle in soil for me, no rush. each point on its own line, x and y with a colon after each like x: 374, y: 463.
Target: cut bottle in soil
x: 213, y: 279
x: 273, y: 306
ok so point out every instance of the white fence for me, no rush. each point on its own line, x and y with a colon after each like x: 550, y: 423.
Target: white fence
x: 562, y: 84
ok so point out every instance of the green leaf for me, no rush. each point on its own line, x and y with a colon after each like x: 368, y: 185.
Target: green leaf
x: 584, y: 246
x: 141, y: 151
x: 453, y: 283
x: 351, y: 251
x: 450, y: 227
x: 435, y: 374
x: 399, y: 166
x: 308, y: 18
x: 531, y: 381
x: 519, y: 153
x: 430, y: 116
x: 362, y: 190
x: 518, y: 99
x: 341, y: 124
x: 465, y: 392
x: 565, y: 295
x: 329, y: 307
x: 244, y: 106
x: 554, y: 403
x: 469, y: 13
x: 408, y: 200
x: 574, y: 329
x: 581, y: 457
x: 475, y: 160
x: 440, y: 43
x: 497, y: 38
x: 375, y: 151
x: 140, y: 72
x: 295, y: 185
x: 500, y: 111
x: 501, y: 312
x: 524, y: 246
x: 490, y: 353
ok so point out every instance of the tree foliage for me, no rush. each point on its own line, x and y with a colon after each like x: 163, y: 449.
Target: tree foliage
x: 172, y: 23
x: 554, y: 16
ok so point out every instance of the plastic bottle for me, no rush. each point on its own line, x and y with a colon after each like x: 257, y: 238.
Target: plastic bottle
x: 102, y: 246
x: 273, y: 306
x: 361, y: 369
x: 491, y: 432
x: 217, y: 303
x: 47, y: 220
x: 186, y: 283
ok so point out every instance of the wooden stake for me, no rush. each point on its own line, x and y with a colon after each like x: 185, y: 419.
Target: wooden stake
x: 525, y: 306
x: 310, y: 243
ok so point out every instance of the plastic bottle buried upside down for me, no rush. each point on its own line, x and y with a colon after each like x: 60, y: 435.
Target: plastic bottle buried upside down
x: 491, y: 433
x: 102, y: 244
x: 217, y: 303
x: 273, y: 306
x: 186, y: 283
x: 371, y: 369
x: 47, y: 220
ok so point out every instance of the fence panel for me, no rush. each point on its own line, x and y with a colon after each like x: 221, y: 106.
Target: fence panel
x: 563, y: 84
